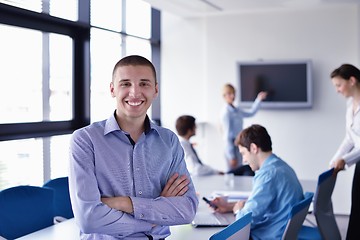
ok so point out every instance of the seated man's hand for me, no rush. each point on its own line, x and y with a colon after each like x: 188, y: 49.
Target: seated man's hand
x: 176, y: 186
x: 238, y: 206
x: 222, y: 205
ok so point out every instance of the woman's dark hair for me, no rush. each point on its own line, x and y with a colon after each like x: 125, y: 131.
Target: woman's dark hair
x: 256, y: 134
x: 346, y: 71
x: 184, y: 123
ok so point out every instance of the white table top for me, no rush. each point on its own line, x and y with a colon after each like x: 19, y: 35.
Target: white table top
x: 204, y: 186
x: 65, y: 230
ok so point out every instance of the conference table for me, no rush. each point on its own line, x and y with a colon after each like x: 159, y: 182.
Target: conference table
x: 204, y: 185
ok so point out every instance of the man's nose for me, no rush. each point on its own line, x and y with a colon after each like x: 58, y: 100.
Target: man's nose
x: 134, y: 91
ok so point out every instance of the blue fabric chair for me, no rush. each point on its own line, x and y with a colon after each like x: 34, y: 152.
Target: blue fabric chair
x: 297, y: 216
x: 25, y: 209
x: 62, y: 204
x: 327, y: 227
x: 238, y: 230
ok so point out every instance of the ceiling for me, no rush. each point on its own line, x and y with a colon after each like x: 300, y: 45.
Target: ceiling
x: 197, y: 8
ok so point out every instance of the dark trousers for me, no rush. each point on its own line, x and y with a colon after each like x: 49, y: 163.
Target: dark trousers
x: 353, y: 232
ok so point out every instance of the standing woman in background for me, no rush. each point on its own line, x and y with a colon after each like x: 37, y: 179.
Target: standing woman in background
x: 346, y: 80
x: 232, y: 125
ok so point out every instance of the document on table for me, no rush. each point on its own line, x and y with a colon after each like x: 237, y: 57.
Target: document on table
x: 232, y: 196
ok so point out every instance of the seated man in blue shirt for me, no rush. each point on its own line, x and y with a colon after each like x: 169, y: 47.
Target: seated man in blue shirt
x: 276, y: 187
x: 128, y: 178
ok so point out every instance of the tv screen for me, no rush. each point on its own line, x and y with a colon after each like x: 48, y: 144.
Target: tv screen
x: 288, y: 83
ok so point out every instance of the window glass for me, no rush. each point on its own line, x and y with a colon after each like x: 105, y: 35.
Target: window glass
x: 61, y: 69
x: 21, y: 163
x: 107, y: 15
x: 138, y: 18
x: 59, y: 8
x: 20, y: 75
x: 59, y: 156
x: 138, y: 46
x: 32, y: 5
x: 64, y: 9
x: 105, y: 48
x: 29, y: 91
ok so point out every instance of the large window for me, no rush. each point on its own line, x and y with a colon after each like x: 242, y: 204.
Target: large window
x: 49, y: 86
x: 32, y: 91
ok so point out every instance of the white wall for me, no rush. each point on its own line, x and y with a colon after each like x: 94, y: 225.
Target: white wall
x: 199, y: 57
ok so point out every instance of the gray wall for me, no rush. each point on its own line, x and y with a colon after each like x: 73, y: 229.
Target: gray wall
x: 199, y: 57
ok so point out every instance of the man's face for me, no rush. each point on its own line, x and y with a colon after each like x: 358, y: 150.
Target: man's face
x: 249, y: 157
x: 134, y: 88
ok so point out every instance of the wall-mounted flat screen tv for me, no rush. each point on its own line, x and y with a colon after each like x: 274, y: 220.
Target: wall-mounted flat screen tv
x: 288, y: 83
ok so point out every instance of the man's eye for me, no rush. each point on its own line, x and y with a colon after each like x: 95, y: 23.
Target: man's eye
x: 144, y: 84
x: 124, y: 84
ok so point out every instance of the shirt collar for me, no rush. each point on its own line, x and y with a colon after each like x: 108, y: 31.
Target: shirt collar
x: 112, y: 125
x: 268, y: 160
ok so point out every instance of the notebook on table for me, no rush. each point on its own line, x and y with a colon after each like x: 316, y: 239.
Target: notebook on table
x: 213, y: 219
x: 232, y: 196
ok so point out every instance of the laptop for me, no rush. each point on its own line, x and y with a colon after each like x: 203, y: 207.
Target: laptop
x: 212, y: 219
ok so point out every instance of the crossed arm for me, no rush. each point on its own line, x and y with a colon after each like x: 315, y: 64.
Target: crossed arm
x: 176, y: 186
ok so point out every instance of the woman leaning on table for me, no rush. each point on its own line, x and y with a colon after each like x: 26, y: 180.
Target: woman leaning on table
x: 346, y: 80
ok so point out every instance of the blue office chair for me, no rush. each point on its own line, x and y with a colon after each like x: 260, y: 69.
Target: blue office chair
x: 240, y: 229
x: 297, y: 216
x: 62, y: 204
x: 327, y: 227
x: 25, y: 209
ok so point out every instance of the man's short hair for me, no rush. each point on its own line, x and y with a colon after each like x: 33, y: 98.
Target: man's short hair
x: 256, y: 134
x: 134, y: 60
x: 184, y: 123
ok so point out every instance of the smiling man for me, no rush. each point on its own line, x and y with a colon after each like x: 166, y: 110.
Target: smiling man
x: 128, y: 178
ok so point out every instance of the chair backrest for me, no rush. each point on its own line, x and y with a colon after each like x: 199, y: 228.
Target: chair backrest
x: 323, y: 208
x: 297, y: 216
x: 238, y: 230
x: 25, y: 209
x: 62, y: 203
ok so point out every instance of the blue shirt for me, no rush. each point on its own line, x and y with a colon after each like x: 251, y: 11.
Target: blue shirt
x: 276, y: 189
x: 232, y: 119
x: 104, y: 163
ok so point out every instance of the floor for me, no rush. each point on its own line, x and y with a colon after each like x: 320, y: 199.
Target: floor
x: 342, y: 221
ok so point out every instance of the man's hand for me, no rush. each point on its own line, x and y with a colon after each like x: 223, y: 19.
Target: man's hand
x: 222, y: 205
x: 176, y: 186
x: 238, y: 206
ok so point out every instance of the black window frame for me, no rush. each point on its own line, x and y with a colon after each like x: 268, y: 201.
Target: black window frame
x: 80, y: 33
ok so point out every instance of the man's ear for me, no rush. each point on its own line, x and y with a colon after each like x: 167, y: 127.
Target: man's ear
x: 112, y: 89
x: 353, y: 81
x: 253, y: 148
